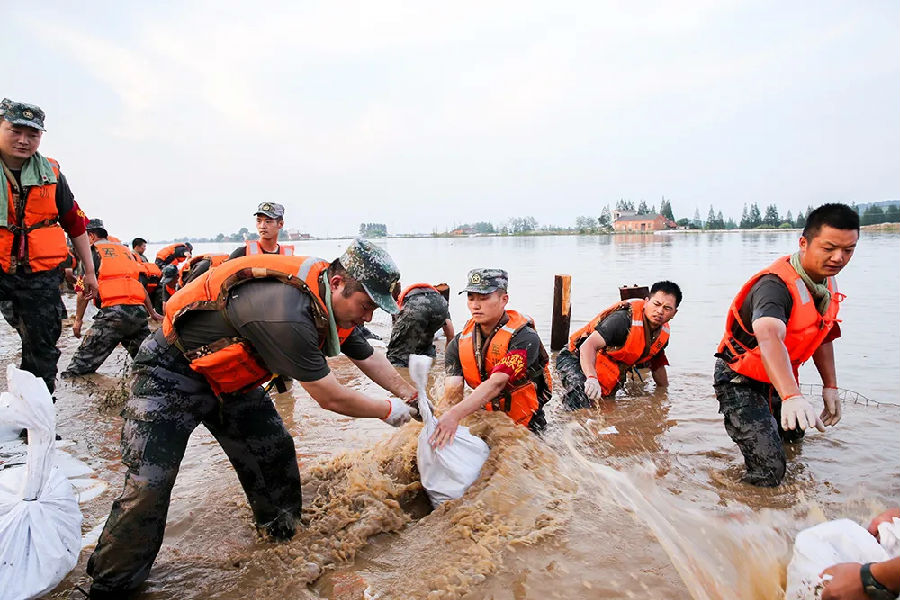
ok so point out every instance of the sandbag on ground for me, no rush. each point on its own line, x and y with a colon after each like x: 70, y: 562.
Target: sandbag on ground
x: 40, y: 522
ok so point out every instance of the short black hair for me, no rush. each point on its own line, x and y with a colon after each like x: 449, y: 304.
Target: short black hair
x: 667, y: 287
x: 137, y: 242
x: 100, y: 233
x: 836, y: 215
x: 351, y: 285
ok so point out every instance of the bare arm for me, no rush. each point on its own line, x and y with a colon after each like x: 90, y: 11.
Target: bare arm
x: 660, y: 376
x: 381, y: 371
x: 83, y: 248
x: 770, y: 334
x: 148, y: 304
x: 333, y: 396
x: 448, y: 330
x: 587, y: 353
x: 485, y: 392
x: 80, y: 306
x: 823, y: 358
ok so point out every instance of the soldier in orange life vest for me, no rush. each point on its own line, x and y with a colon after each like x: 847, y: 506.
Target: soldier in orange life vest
x: 783, y: 316
x: 123, y: 302
x: 174, y: 254
x: 499, y: 355
x: 37, y: 210
x: 225, y: 335
x: 269, y: 223
x: 624, y: 336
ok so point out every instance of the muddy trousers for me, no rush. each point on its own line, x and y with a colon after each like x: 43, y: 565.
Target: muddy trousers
x: 32, y: 305
x: 751, y: 412
x: 167, y: 402
x: 572, y: 378
x: 124, y: 324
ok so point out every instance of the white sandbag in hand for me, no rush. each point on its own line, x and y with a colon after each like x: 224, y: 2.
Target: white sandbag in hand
x: 446, y: 473
x: 826, y: 544
x: 40, y: 522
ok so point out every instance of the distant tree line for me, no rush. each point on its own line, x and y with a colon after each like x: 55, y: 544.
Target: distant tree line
x: 873, y: 215
x: 371, y: 230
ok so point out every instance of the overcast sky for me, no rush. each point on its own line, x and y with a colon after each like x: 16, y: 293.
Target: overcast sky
x: 177, y: 118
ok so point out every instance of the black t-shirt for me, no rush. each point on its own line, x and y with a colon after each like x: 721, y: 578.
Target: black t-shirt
x: 525, y: 339
x: 242, y: 251
x: 768, y: 297
x: 276, y: 320
x: 614, y: 329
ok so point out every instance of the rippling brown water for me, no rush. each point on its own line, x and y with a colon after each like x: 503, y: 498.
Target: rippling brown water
x: 654, y: 511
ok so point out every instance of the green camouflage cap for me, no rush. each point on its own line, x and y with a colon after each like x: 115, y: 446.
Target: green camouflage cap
x: 374, y: 268
x: 485, y: 281
x: 19, y: 113
x: 95, y: 224
x: 273, y: 210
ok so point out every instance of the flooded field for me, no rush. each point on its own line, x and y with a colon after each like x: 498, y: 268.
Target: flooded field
x: 656, y: 510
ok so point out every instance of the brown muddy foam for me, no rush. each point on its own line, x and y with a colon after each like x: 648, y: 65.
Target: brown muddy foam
x: 520, y: 498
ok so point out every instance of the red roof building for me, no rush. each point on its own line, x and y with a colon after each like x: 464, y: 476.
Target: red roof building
x: 639, y: 223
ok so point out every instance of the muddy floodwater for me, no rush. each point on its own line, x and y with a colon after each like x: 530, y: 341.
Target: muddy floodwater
x: 655, y: 510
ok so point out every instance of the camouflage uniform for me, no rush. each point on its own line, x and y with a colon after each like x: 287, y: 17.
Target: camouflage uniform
x: 422, y: 314
x: 168, y: 401
x: 124, y: 324
x: 32, y: 305
x: 568, y: 367
x: 754, y: 427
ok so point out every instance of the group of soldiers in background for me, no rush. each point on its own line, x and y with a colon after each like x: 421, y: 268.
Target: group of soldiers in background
x: 233, y: 323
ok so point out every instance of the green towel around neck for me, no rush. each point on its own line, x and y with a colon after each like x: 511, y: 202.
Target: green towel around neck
x: 819, y: 290
x: 36, y: 171
x: 332, y: 341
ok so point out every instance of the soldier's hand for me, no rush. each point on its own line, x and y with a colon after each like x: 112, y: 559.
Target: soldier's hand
x: 156, y: 316
x: 90, y: 287
x: 592, y: 388
x: 797, y: 413
x: 832, y: 412
x: 76, y: 328
x: 398, y: 413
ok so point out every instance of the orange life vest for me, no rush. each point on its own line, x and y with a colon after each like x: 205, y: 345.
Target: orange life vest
x: 139, y: 257
x: 412, y: 287
x: 167, y: 255
x: 42, y: 241
x: 611, y: 364
x: 806, y: 328
x: 151, y: 271
x: 254, y: 249
x: 118, y: 275
x: 114, y: 239
x: 214, y: 261
x: 231, y: 364
x: 520, y: 401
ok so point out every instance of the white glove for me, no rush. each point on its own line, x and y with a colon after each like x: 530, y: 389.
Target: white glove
x: 797, y: 413
x: 592, y: 388
x: 399, y: 413
x: 832, y: 413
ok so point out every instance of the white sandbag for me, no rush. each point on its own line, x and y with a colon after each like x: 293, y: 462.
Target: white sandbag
x: 823, y: 545
x: 889, y: 537
x: 446, y: 473
x: 40, y: 523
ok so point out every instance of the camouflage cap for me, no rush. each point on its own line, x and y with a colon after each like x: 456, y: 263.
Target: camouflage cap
x: 273, y: 210
x: 94, y: 224
x: 374, y: 268
x: 19, y: 113
x: 485, y: 281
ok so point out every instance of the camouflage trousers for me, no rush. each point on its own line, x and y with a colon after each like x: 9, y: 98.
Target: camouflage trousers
x: 32, y: 305
x: 413, y: 330
x: 755, y: 427
x: 572, y: 378
x: 124, y: 324
x: 168, y: 401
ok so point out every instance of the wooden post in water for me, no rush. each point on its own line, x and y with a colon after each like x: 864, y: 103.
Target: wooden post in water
x: 562, y: 312
x: 634, y: 291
